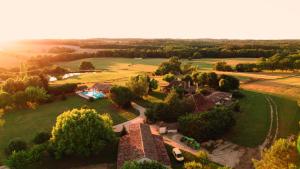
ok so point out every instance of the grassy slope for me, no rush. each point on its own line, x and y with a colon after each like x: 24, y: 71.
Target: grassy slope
x: 26, y: 123
x: 253, y: 121
x: 289, y: 116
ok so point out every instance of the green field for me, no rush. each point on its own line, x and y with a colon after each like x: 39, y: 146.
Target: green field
x: 107, y: 63
x: 26, y: 123
x: 252, y: 123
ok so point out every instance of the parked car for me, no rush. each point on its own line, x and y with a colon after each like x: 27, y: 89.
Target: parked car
x: 177, y: 154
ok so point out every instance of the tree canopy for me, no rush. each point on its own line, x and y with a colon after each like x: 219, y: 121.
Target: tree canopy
x: 81, y: 132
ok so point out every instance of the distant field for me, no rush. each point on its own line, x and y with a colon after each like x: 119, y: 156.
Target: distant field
x: 106, y: 63
x: 118, y: 70
x: 26, y: 123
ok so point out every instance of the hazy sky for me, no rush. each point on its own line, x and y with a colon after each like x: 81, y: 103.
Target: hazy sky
x: 239, y: 19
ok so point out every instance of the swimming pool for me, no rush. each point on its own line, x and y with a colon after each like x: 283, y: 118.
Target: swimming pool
x: 94, y: 94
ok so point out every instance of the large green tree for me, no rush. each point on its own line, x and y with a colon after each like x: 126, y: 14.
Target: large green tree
x: 139, y: 85
x: 121, y: 96
x: 81, y: 132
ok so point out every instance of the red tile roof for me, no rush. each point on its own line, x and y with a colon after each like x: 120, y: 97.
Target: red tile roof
x: 140, y: 143
x: 202, y: 103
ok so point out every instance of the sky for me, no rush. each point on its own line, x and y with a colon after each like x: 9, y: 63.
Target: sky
x: 230, y: 19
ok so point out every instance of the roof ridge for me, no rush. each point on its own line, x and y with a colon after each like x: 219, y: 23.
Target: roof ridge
x: 141, y: 134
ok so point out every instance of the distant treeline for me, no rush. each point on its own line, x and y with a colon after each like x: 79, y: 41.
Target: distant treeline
x: 165, y: 48
x: 276, y: 62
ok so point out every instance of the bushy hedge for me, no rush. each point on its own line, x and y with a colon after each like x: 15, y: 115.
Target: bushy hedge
x: 62, y: 89
x: 207, y: 125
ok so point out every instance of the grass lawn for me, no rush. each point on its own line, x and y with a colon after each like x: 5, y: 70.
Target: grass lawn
x: 153, y: 97
x: 26, y: 123
x: 289, y: 116
x: 252, y: 124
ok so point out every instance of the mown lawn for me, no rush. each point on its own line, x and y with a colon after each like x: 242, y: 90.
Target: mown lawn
x: 252, y: 123
x: 289, y: 116
x: 27, y: 122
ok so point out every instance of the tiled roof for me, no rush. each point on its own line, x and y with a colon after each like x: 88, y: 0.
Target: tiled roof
x: 141, y: 143
x: 202, y: 103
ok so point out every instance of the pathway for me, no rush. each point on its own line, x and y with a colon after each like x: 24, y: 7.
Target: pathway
x: 140, y: 119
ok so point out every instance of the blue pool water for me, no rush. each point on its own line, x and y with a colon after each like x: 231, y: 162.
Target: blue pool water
x: 94, y: 94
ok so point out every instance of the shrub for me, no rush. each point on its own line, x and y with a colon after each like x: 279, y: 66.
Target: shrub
x: 20, y: 99
x: 36, y: 94
x: 143, y: 165
x: 41, y: 137
x: 192, y: 165
x: 16, y: 145
x: 25, y: 159
x: 19, y: 160
x: 153, y: 84
x: 62, y: 89
x: 223, y: 66
x: 81, y: 132
x: 121, y: 96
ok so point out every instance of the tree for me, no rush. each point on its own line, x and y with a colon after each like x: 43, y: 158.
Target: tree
x: 169, y: 77
x: 212, y: 80
x: 121, y: 96
x: 171, y: 66
x: 36, y: 94
x: 5, y: 99
x: 281, y: 155
x: 233, y: 82
x: 224, y: 85
x: 34, y: 81
x: 81, y: 132
x: 139, y: 85
x: 143, y: 165
x: 153, y: 84
x: 86, y: 66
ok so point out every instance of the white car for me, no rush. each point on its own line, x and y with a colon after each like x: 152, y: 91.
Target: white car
x: 177, y: 154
